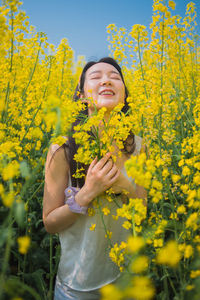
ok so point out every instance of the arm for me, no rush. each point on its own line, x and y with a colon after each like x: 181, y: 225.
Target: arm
x: 57, y: 215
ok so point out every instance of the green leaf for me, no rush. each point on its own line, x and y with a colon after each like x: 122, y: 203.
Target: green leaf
x: 24, y: 169
x: 19, y: 213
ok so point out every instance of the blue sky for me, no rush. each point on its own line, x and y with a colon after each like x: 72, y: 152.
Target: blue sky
x: 83, y: 22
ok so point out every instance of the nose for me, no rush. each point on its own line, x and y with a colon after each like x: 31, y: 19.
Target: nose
x: 105, y: 81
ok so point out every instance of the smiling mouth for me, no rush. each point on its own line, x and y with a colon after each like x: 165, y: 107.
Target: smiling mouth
x: 107, y: 93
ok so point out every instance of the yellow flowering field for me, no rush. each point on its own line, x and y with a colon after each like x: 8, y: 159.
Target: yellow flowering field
x: 161, y: 65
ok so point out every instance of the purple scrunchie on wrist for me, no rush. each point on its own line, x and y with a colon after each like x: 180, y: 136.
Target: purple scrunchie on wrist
x: 70, y: 194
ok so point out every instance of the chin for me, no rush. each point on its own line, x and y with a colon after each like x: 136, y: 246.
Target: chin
x: 107, y: 105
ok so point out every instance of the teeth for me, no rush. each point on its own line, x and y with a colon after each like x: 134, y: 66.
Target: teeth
x: 107, y: 93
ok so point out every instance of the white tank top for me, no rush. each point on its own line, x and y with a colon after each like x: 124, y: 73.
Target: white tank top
x: 85, y: 263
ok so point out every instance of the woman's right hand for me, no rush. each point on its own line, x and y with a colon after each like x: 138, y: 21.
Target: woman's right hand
x: 101, y: 175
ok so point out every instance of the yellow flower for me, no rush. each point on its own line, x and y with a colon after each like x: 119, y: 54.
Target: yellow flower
x: 8, y: 198
x: 91, y: 211
x: 135, y: 244
x: 1, y: 189
x: 175, y: 178
x: 60, y: 140
x: 172, y: 4
x: 188, y: 251
x: 110, y: 291
x: 186, y: 171
x: 106, y: 211
x: 189, y: 287
x: 140, y: 264
x: 11, y: 170
x: 157, y: 197
x: 141, y: 288
x: 117, y: 253
x: 195, y: 273
x: 184, y: 188
x: 92, y: 227
x: 165, y: 173
x: 127, y: 225
x: 108, y: 234
x: 181, y: 209
x: 169, y: 254
x: 24, y: 243
x: 192, y: 221
x: 156, y: 184
x: 158, y: 243
x: 181, y: 163
x: 181, y: 247
x: 173, y: 215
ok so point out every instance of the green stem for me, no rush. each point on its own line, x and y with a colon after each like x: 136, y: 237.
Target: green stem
x: 160, y: 130
x: 166, y: 288
x: 12, y: 43
x: 4, y: 112
x: 162, y: 56
x: 7, y: 252
x: 133, y: 224
x: 30, y: 125
x: 4, y: 115
x: 192, y: 75
x: 32, y: 73
x: 35, y: 192
x: 104, y: 225
x: 49, y: 73
x: 173, y: 210
x: 63, y: 70
x: 51, y: 268
x: 48, y: 77
x: 141, y: 65
x: 29, y: 289
x: 171, y: 283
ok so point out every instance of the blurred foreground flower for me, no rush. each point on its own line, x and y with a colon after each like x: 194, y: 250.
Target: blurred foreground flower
x: 141, y: 289
x: 23, y: 243
x: 111, y: 291
x: 169, y: 254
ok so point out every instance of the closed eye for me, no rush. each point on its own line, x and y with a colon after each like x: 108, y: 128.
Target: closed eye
x: 117, y: 78
x: 97, y: 77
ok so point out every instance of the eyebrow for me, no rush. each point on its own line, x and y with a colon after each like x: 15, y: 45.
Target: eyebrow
x: 93, y: 72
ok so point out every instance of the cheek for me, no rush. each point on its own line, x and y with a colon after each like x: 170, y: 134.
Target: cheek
x: 89, y: 89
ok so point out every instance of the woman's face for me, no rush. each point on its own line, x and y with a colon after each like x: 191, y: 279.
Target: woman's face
x: 104, y: 85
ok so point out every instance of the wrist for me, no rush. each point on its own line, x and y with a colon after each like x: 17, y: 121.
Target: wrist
x: 84, y: 196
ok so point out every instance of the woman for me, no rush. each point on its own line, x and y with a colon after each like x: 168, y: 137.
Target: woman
x: 85, y: 265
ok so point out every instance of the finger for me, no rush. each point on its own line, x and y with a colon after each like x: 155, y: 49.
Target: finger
x: 103, y: 161
x: 93, y: 163
x: 114, y: 178
x: 107, y: 167
x: 112, y: 172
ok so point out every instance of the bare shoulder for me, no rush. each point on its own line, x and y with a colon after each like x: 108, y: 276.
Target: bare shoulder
x: 56, y: 159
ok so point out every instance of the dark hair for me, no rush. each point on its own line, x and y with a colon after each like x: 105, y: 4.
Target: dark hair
x: 72, y: 147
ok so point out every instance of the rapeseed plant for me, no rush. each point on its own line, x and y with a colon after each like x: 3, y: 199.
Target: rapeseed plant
x: 162, y: 71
